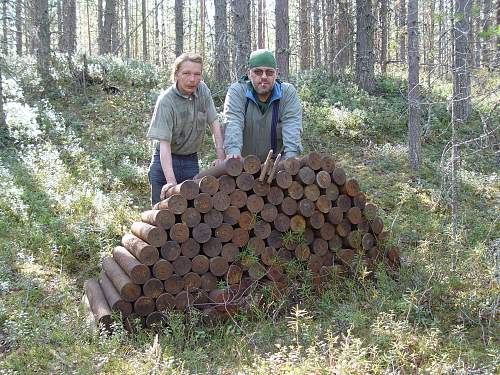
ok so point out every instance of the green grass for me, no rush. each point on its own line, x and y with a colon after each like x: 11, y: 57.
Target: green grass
x: 73, y: 178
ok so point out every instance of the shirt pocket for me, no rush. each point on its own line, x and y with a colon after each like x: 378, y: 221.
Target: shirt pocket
x: 201, y: 120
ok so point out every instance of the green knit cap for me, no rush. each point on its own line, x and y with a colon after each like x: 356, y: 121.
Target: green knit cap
x: 262, y: 57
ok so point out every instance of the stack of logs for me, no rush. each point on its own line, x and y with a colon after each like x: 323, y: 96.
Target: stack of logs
x: 234, y: 226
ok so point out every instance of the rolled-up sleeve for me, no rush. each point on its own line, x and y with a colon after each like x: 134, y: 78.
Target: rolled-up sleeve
x: 161, y: 124
x: 291, y: 119
x: 234, y: 119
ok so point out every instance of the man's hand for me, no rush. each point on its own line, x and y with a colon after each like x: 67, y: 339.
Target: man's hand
x: 233, y: 156
x: 165, y: 189
x: 216, y: 162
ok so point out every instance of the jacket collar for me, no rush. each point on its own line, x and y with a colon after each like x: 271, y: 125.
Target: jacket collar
x: 276, y: 94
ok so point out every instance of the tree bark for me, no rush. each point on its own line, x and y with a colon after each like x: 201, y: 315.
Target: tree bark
x: 383, y: 36
x: 305, y: 40
x: 402, y: 30
x: 5, y: 17
x: 19, y: 27
x: 127, y: 28
x: 486, y: 44
x: 202, y: 29
x: 68, y: 42
x: 282, y: 38
x: 179, y: 27
x: 145, y: 49
x: 41, y: 12
x: 241, y: 20
x: 343, y: 40
x: 364, y: 45
x: 317, y: 35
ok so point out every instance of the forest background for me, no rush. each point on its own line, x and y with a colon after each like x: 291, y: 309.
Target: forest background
x: 404, y: 94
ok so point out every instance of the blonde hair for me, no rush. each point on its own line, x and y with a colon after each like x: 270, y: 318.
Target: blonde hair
x: 182, y: 58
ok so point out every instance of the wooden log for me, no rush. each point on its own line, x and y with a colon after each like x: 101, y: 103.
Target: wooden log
x: 128, y: 290
x: 255, y: 203
x: 144, y: 252
x: 154, y: 236
x: 343, y: 202
x: 269, y: 256
x: 354, y: 215
x: 323, y: 179
x: 367, y: 241
x: 246, y: 220
x: 231, y: 167
x: 314, y: 263
x: 212, y: 247
x: 191, y: 217
x: 275, y: 272
x: 163, y: 269
x: 275, y: 195
x: 375, y: 254
x: 257, y: 271
x: 364, y: 225
x: 289, y: 206
x: 296, y: 190
x: 231, y: 215
x: 269, y: 212
x: 200, y: 297
x: 332, y: 192
x: 227, y: 184
x: 306, y: 207
x: 274, y: 169
x: 218, y: 266
x: 257, y: 245
x: 203, y: 202
x: 285, y: 255
x: 261, y: 188
x: 327, y: 231
x: 297, y: 223
x: 144, y: 306
x: 221, y: 201
x: 234, y: 274
x: 213, y: 218
x: 208, y: 282
x: 327, y: 164
x: 152, y: 288
x: 308, y: 236
x: 275, y: 239
x: 97, y: 303
x: 171, y: 251
x: 192, y: 281
x: 282, y: 222
x: 190, y: 248
x: 320, y: 247
x: 113, y: 298
x: 208, y: 184
x: 323, y: 204
x: 159, y: 218
x: 312, y: 160
x: 266, y: 166
x: 188, y: 189
x: 339, y: 176
x: 183, y: 299
x: 229, y: 252
x: 316, y: 220
x: 182, y: 265
x: 284, y: 179
x: 328, y: 261
x: 370, y: 211
x: 346, y: 256
x: 200, y: 264
x: 174, y: 284
x: 165, y: 301
x: 335, y: 243
x: 262, y: 229
x: 240, y: 237
x: 155, y: 319
x: 354, y: 239
x: 175, y: 203
x: 359, y: 201
x: 306, y: 176
x: 224, y: 232
x: 238, y: 198
x: 312, y: 192
x: 179, y: 232
x: 377, y: 225
x: 343, y: 228
x: 138, y: 272
x: 245, y: 181
x: 352, y: 187
x: 251, y: 164
x: 393, y: 256
x: 335, y: 215
x: 302, y: 252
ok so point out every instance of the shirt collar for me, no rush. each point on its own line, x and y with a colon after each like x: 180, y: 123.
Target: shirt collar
x: 276, y: 94
x: 176, y: 90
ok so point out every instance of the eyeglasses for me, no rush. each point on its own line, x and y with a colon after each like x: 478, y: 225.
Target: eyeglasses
x: 260, y: 72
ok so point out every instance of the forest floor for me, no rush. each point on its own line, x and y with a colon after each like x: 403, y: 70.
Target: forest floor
x: 73, y: 178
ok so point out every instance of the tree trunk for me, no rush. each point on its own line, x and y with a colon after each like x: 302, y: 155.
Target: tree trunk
x: 221, y: 43
x: 115, y: 27
x: 100, y: 27
x: 19, y: 27
x: 69, y: 27
x: 364, y: 45
x: 343, y: 36
x: 5, y: 47
x: 413, y: 87
x: 282, y: 38
x: 179, y: 27
x: 157, y: 35
x: 60, y: 28
x: 402, y: 30
x: 202, y: 29
x: 241, y: 20
x: 127, y: 28
x: 305, y: 40
x: 260, y: 25
x: 383, y: 36
x: 41, y: 12
x: 145, y: 53
x: 317, y: 35
x: 109, y: 20
x: 3, y: 124
x: 325, y: 33
x: 486, y: 44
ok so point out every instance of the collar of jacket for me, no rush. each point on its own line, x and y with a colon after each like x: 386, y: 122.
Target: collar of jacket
x: 176, y: 90
x: 276, y: 94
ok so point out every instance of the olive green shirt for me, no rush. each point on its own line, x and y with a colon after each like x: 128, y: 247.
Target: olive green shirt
x: 182, y: 120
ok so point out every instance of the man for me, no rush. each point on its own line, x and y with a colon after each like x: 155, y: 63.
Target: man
x: 179, y: 120
x: 262, y: 113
